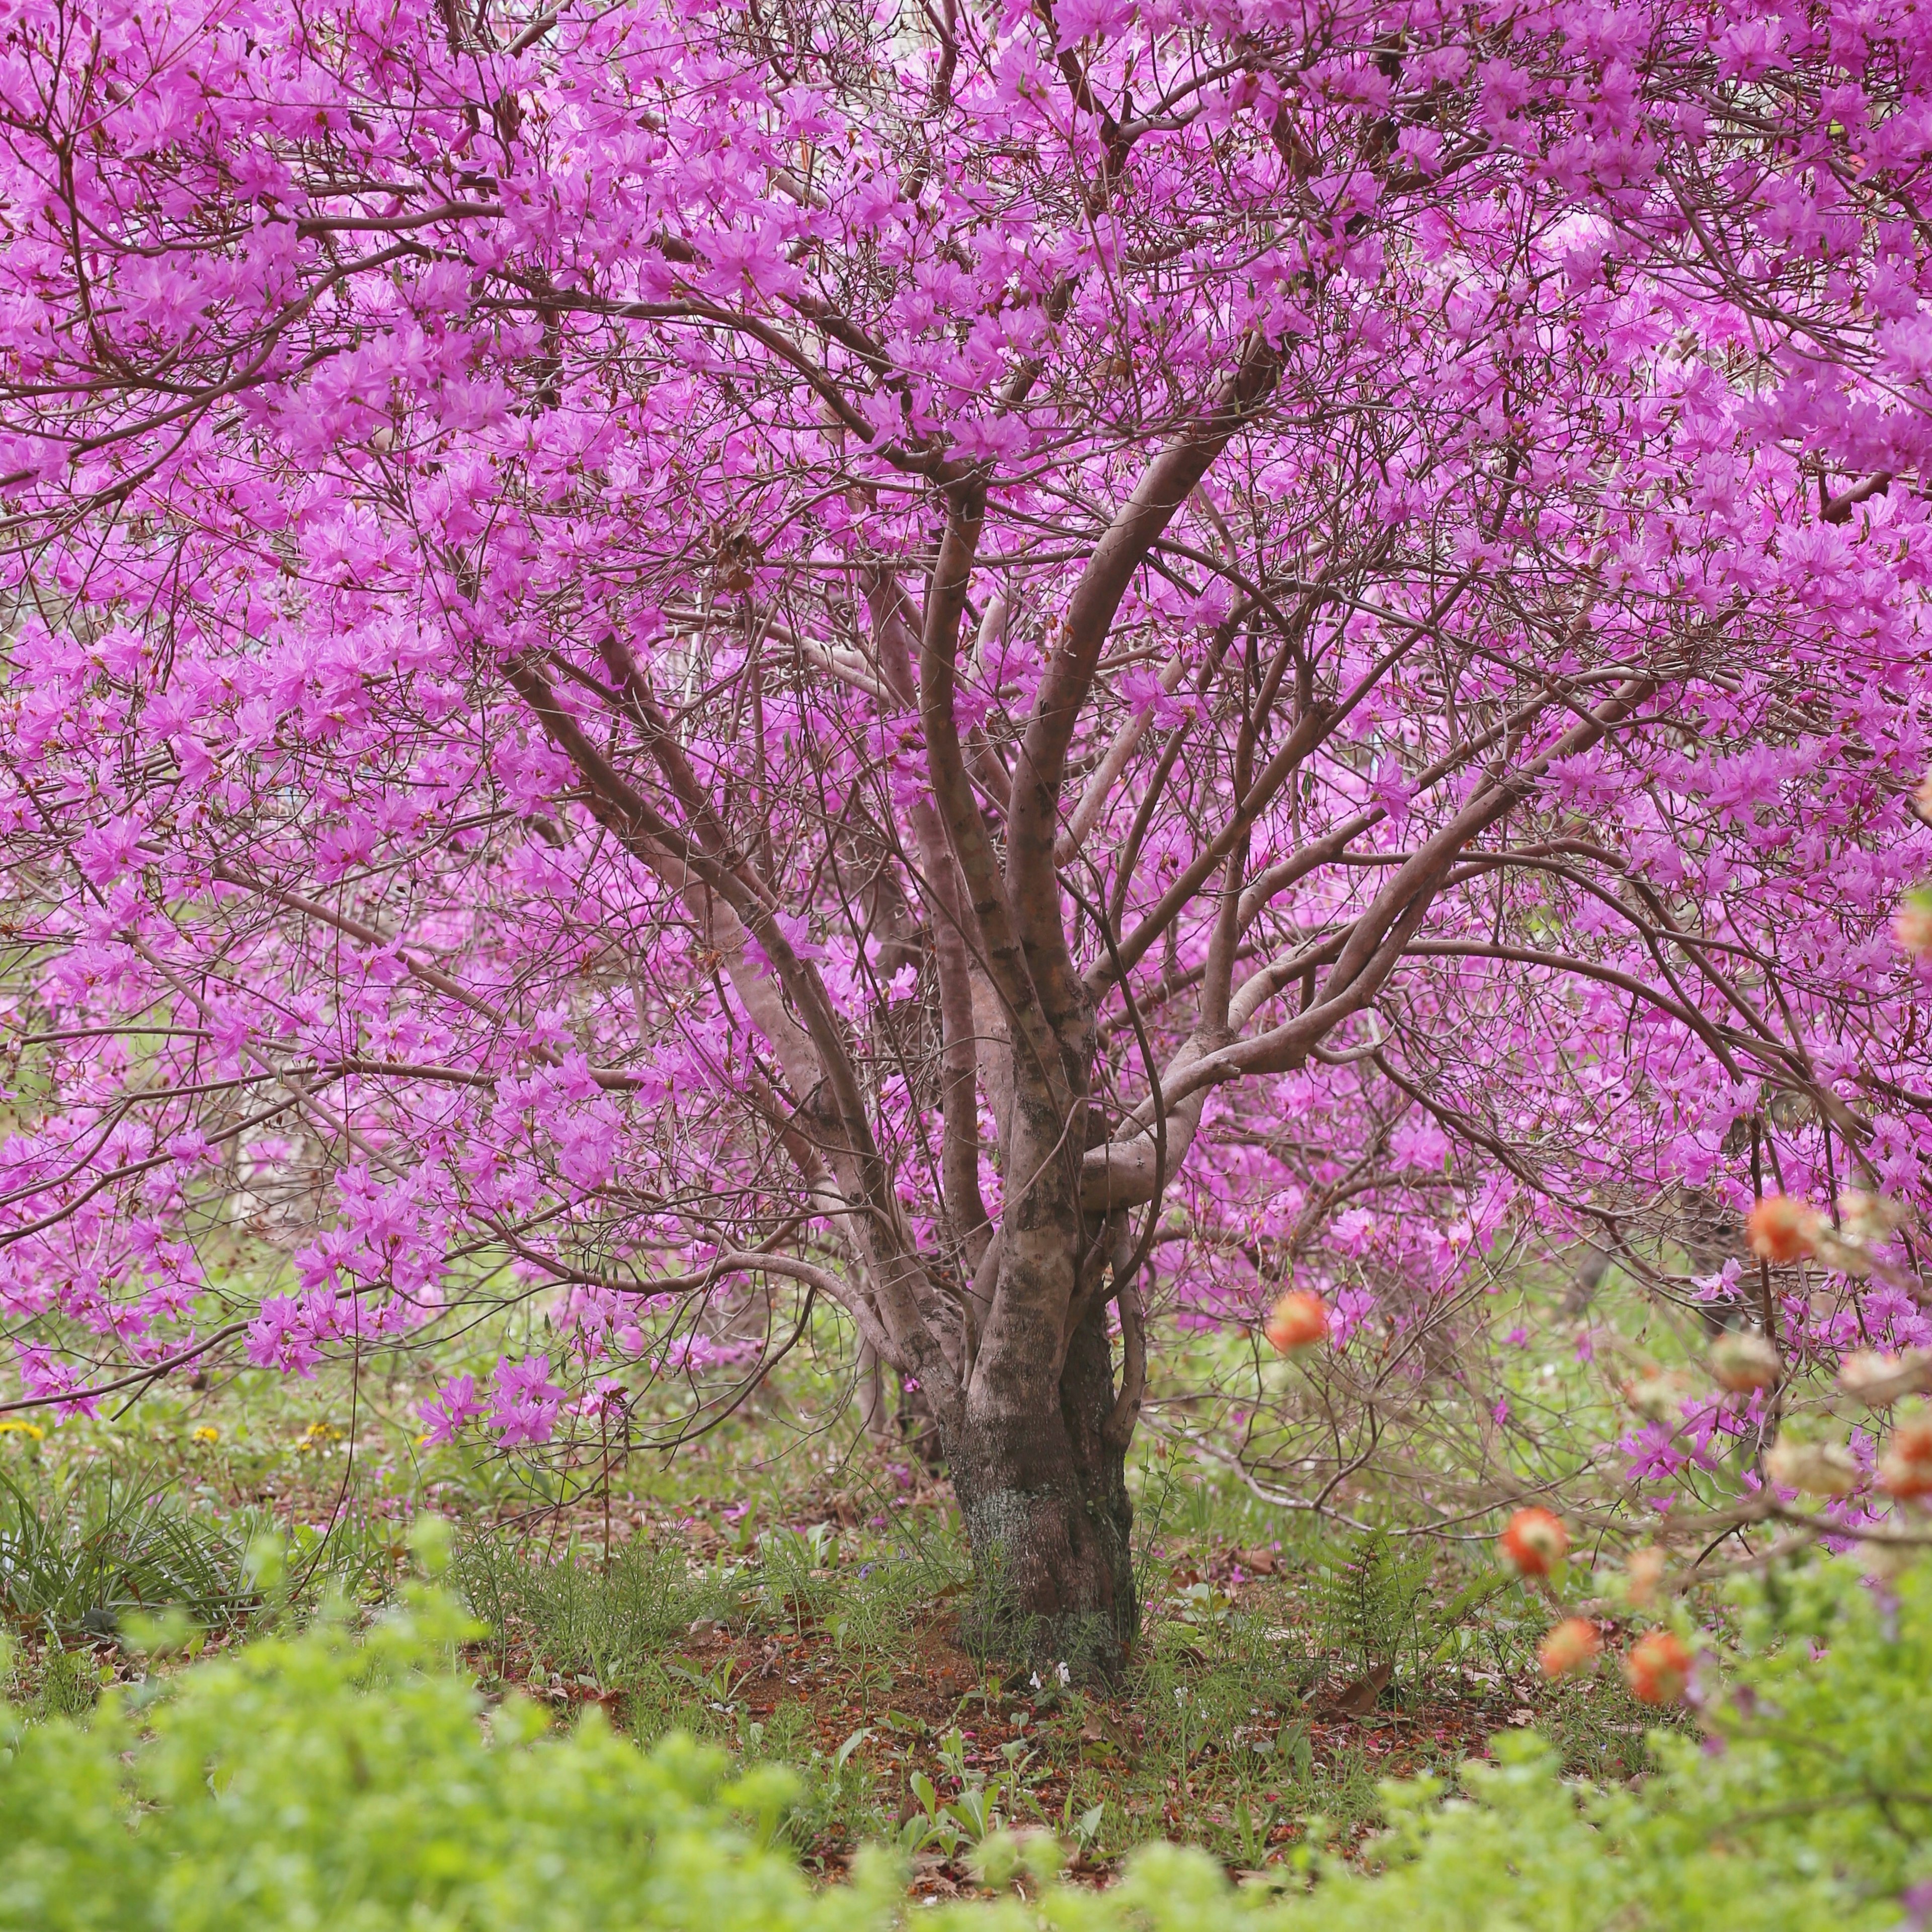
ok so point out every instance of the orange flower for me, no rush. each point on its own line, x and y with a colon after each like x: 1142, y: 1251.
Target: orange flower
x: 1657, y: 1668
x: 1781, y: 1229
x: 1865, y: 1369
x: 1298, y: 1321
x: 1535, y: 1540
x: 1656, y: 1397
x: 1906, y: 1470
x: 1570, y: 1645
x: 1870, y: 1217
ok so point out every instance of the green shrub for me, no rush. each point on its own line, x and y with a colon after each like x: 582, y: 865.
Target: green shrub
x: 320, y: 1780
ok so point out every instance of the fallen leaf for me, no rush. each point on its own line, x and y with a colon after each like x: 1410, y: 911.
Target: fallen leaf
x: 1358, y: 1699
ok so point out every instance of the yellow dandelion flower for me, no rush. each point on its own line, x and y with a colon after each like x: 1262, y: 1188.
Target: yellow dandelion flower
x: 32, y: 1429
x: 206, y: 1434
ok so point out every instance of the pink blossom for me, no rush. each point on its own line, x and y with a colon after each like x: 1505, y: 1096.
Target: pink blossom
x: 454, y: 1405
x: 523, y: 1402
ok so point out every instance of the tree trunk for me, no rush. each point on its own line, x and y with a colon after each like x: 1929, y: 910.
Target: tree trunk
x: 1044, y: 1495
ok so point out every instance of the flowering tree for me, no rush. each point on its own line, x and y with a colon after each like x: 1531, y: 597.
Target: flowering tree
x: 990, y: 662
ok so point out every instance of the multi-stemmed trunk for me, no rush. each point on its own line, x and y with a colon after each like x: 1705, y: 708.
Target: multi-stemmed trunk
x: 1004, y: 1320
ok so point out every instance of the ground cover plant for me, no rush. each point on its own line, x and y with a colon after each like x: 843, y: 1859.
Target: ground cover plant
x: 311, y: 1777
x: 792, y: 1598
x: 795, y: 1600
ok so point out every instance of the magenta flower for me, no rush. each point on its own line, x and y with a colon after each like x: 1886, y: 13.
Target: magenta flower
x: 523, y: 1402
x: 444, y: 1414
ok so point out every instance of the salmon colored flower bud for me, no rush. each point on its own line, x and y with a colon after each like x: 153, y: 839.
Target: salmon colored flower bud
x: 1912, y: 924
x: 1657, y: 1668
x: 1535, y: 1540
x: 1871, y: 1217
x: 1657, y: 1396
x: 1781, y: 1229
x: 1570, y: 1645
x: 1744, y: 1362
x: 1902, y: 1479
x: 1905, y: 1470
x: 1880, y: 1379
x: 1298, y: 1321
x: 1644, y: 1570
x: 1865, y: 1369
x: 1815, y: 1469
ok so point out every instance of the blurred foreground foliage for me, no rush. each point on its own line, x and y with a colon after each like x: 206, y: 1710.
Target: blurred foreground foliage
x: 326, y: 1777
